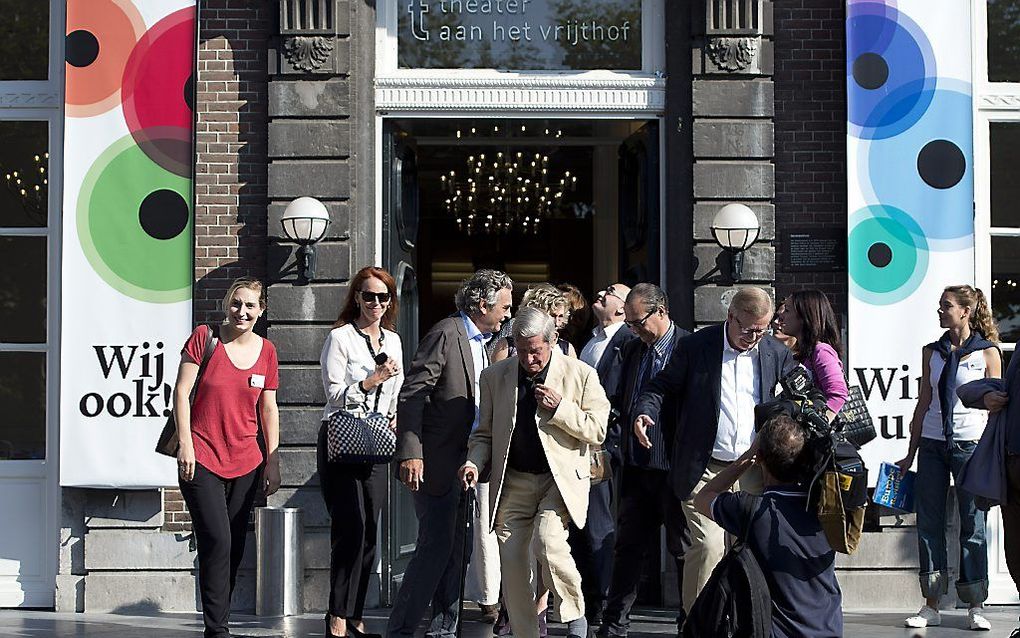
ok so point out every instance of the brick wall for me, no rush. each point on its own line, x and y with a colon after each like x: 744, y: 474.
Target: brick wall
x: 810, y: 133
x: 230, y: 181
x: 230, y: 163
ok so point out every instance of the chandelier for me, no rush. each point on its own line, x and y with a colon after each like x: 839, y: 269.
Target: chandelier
x: 31, y: 186
x: 503, y: 193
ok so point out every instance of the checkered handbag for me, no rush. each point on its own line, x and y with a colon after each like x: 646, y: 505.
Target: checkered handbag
x: 359, y: 439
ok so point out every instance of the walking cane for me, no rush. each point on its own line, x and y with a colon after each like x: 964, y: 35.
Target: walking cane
x: 470, y: 501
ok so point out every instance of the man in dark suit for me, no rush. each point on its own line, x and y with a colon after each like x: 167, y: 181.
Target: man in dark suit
x: 437, y: 411
x: 717, y: 375
x: 646, y: 501
x: 592, y: 547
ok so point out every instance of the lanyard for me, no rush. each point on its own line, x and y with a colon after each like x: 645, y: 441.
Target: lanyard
x: 371, y: 350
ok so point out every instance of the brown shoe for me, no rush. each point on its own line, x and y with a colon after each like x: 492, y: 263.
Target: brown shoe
x: 489, y: 613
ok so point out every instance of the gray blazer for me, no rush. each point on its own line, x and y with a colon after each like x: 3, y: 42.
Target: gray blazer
x: 437, y: 405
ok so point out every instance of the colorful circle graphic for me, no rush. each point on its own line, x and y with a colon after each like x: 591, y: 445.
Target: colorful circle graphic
x: 926, y: 168
x: 100, y: 37
x: 888, y: 255
x: 156, y: 90
x: 134, y: 221
x: 890, y: 71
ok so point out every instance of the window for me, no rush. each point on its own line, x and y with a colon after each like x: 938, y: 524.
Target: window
x: 996, y: 156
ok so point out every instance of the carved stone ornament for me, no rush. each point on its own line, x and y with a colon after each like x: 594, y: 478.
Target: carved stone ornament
x: 308, y: 53
x: 732, y: 54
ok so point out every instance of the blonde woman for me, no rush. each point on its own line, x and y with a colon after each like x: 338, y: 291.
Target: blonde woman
x: 219, y: 462
x: 549, y: 300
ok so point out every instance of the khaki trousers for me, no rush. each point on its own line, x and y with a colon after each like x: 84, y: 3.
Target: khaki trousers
x: 531, y: 506
x: 708, y: 540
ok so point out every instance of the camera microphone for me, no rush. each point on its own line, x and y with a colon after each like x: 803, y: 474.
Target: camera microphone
x: 381, y: 358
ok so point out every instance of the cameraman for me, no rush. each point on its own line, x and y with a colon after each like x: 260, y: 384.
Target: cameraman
x: 785, y: 536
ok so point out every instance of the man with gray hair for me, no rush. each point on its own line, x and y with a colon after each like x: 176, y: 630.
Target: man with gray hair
x: 541, y: 413
x: 437, y: 410
x: 716, y: 375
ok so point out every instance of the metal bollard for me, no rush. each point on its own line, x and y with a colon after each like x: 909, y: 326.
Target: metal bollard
x: 279, y: 568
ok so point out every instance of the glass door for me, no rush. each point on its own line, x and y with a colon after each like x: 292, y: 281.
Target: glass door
x: 400, y: 235
x: 27, y: 463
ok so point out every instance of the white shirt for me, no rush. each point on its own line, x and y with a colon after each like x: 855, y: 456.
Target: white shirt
x: 346, y: 361
x: 596, y: 346
x: 968, y: 423
x: 739, y: 392
x: 477, y: 340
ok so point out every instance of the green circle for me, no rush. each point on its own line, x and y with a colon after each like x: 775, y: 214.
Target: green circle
x: 891, y: 282
x: 111, y: 235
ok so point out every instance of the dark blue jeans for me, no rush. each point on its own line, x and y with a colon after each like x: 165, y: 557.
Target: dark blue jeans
x: 935, y: 462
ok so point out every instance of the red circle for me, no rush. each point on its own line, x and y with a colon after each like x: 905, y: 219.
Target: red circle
x: 155, y: 82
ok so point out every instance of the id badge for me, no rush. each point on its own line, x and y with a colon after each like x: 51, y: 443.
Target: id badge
x: 257, y: 381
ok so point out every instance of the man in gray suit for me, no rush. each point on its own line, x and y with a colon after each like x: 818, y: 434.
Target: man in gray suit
x: 438, y: 410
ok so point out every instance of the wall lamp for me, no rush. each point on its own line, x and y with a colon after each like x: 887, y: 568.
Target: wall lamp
x: 305, y: 221
x: 735, y: 228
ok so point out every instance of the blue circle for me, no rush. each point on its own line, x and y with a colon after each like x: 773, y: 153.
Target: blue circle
x: 881, y: 110
x: 892, y: 169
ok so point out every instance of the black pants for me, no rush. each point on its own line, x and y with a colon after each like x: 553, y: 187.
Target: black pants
x: 354, y: 496
x: 646, y: 502
x: 592, y: 549
x: 220, y: 510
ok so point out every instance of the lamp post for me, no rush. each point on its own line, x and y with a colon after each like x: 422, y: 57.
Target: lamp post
x: 735, y: 228
x: 305, y: 221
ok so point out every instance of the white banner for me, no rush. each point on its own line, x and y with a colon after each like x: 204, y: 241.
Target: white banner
x: 127, y: 262
x: 910, y: 194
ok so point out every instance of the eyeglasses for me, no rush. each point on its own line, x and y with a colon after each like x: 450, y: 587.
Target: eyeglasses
x: 610, y: 291
x: 369, y: 297
x: 641, y: 322
x: 750, y: 332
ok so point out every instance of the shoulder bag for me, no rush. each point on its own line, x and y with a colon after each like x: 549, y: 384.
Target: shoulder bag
x: 855, y: 422
x: 168, y: 443
x: 351, y: 438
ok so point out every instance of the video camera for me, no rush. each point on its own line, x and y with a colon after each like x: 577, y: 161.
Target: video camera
x: 805, y: 404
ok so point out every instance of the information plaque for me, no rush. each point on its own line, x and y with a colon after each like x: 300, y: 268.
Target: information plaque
x: 820, y: 249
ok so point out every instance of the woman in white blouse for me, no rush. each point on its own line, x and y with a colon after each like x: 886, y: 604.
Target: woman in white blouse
x: 361, y: 373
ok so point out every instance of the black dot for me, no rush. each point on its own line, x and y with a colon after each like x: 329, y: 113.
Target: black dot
x: 880, y: 255
x: 870, y: 70
x: 163, y: 214
x: 81, y: 48
x: 189, y: 92
x: 941, y: 164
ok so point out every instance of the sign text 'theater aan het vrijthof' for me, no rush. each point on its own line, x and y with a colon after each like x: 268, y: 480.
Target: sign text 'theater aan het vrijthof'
x: 520, y: 34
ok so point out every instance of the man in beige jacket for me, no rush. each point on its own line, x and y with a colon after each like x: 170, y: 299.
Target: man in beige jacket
x: 540, y: 414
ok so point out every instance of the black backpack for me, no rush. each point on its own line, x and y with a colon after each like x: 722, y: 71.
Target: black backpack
x: 735, y: 602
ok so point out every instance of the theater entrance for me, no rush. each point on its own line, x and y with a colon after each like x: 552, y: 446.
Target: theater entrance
x: 558, y: 200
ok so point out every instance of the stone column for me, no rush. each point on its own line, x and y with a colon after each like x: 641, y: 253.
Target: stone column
x: 315, y: 87
x: 733, y: 140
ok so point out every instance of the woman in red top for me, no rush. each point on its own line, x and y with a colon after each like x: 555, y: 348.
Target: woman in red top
x: 219, y: 461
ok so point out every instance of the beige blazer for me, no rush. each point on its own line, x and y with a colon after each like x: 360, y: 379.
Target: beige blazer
x: 566, y: 434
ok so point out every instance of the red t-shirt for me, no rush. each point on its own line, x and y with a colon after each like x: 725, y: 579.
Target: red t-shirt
x: 224, y: 414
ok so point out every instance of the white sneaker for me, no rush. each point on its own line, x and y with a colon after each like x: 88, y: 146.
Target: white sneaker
x: 926, y: 617
x: 977, y: 620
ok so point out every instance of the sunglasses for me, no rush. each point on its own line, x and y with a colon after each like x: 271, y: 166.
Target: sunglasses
x: 369, y: 297
x: 609, y: 292
x: 641, y: 322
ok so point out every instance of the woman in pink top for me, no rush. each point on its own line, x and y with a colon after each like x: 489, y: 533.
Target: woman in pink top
x: 807, y: 316
x: 220, y: 463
